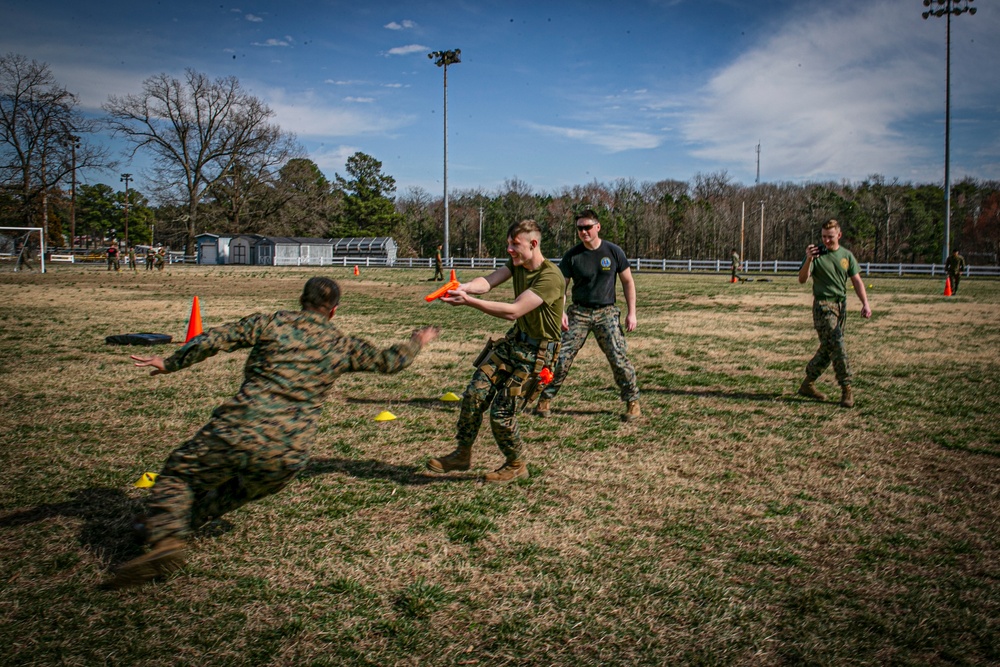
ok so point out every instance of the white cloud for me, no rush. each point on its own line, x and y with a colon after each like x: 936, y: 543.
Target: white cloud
x: 308, y: 116
x: 611, y: 138
x: 272, y: 42
x: 332, y: 159
x: 407, y: 50
x: 824, y: 96
x: 404, y: 25
x: 254, y: 18
x: 362, y: 100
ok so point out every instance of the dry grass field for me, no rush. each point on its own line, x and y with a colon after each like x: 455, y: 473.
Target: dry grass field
x: 734, y: 524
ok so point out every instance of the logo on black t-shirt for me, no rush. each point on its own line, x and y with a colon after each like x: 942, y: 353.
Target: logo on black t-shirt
x: 605, y: 263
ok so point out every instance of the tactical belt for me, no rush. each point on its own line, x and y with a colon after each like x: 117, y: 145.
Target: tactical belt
x: 516, y: 382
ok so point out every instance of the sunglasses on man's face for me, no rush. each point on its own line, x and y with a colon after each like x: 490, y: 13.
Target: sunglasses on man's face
x: 584, y: 228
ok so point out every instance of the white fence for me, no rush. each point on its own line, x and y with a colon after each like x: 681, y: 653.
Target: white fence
x: 772, y: 267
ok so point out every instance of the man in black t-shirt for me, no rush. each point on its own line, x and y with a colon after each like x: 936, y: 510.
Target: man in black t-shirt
x: 593, y: 265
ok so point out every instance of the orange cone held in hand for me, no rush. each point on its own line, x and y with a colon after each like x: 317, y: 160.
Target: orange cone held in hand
x: 194, y: 324
x: 947, y: 286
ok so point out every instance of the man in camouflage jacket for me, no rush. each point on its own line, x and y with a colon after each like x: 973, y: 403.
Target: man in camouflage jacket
x: 256, y: 442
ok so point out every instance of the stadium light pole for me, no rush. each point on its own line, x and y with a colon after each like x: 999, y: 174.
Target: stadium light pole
x: 445, y: 58
x: 126, y: 178
x: 946, y: 8
x: 74, y: 143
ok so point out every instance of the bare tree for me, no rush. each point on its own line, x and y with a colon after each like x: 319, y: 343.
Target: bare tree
x: 198, y: 131
x: 40, y: 146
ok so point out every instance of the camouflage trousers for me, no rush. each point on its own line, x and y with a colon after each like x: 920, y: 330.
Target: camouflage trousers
x: 213, y: 473
x: 829, y: 318
x: 484, y: 392
x: 954, y: 278
x: 605, y: 322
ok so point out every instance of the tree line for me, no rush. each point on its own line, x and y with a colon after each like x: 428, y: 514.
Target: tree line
x: 222, y: 166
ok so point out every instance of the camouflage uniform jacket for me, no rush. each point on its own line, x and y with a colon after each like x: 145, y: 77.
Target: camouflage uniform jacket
x: 295, y: 359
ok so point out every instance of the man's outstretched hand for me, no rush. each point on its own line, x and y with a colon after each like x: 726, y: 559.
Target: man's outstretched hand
x: 422, y: 336
x: 155, y: 362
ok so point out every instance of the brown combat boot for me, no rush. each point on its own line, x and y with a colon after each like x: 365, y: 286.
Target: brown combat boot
x: 460, y: 459
x: 809, y: 390
x: 166, y: 556
x: 508, y: 472
x: 846, y: 397
x: 543, y: 409
x: 632, y: 412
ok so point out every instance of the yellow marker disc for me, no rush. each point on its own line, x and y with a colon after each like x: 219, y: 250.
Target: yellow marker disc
x: 147, y: 480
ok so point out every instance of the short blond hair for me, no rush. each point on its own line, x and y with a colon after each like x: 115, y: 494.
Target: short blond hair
x: 831, y: 224
x: 524, y: 227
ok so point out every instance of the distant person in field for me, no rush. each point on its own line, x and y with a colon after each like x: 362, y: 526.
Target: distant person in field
x: 258, y: 441
x: 150, y: 258
x: 735, y: 265
x: 831, y: 266
x: 24, y: 258
x: 438, y: 264
x: 594, y: 266
x: 955, y: 266
x: 506, y: 369
x: 113, y: 263
x: 131, y: 257
x: 161, y: 258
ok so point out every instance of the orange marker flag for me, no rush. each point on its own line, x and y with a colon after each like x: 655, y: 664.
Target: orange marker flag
x: 194, y: 324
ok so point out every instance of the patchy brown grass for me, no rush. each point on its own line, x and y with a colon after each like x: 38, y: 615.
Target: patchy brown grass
x: 734, y: 523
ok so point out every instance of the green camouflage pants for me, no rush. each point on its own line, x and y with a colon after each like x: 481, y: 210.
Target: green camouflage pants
x: 605, y: 322
x: 829, y: 318
x: 954, y: 278
x: 484, y: 392
x: 213, y: 473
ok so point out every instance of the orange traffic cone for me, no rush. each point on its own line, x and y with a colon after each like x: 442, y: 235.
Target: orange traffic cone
x: 194, y: 324
x: 453, y: 279
x: 356, y: 272
x: 947, y: 286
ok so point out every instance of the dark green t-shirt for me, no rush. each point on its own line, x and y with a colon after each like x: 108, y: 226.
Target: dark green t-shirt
x: 830, y: 273
x: 544, y: 322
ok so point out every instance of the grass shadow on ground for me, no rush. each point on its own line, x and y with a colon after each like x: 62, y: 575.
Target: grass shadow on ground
x: 373, y: 469
x: 106, y: 515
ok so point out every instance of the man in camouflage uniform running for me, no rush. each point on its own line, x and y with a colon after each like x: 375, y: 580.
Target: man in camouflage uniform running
x: 593, y: 265
x: 506, y: 371
x: 831, y: 266
x: 256, y: 442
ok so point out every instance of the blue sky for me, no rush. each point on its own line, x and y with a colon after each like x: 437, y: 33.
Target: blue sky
x: 563, y: 93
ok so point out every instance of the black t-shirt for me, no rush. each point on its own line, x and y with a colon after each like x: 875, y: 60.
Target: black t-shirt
x: 593, y: 272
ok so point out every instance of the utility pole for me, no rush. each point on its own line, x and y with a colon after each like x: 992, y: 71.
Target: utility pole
x: 757, y: 182
x: 126, y: 178
x: 762, y: 234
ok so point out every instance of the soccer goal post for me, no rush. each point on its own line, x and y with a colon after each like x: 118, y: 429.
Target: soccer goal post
x: 22, y: 256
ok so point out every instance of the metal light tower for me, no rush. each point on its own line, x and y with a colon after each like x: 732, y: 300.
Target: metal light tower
x: 126, y: 178
x: 74, y: 143
x: 946, y: 8
x: 445, y: 58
